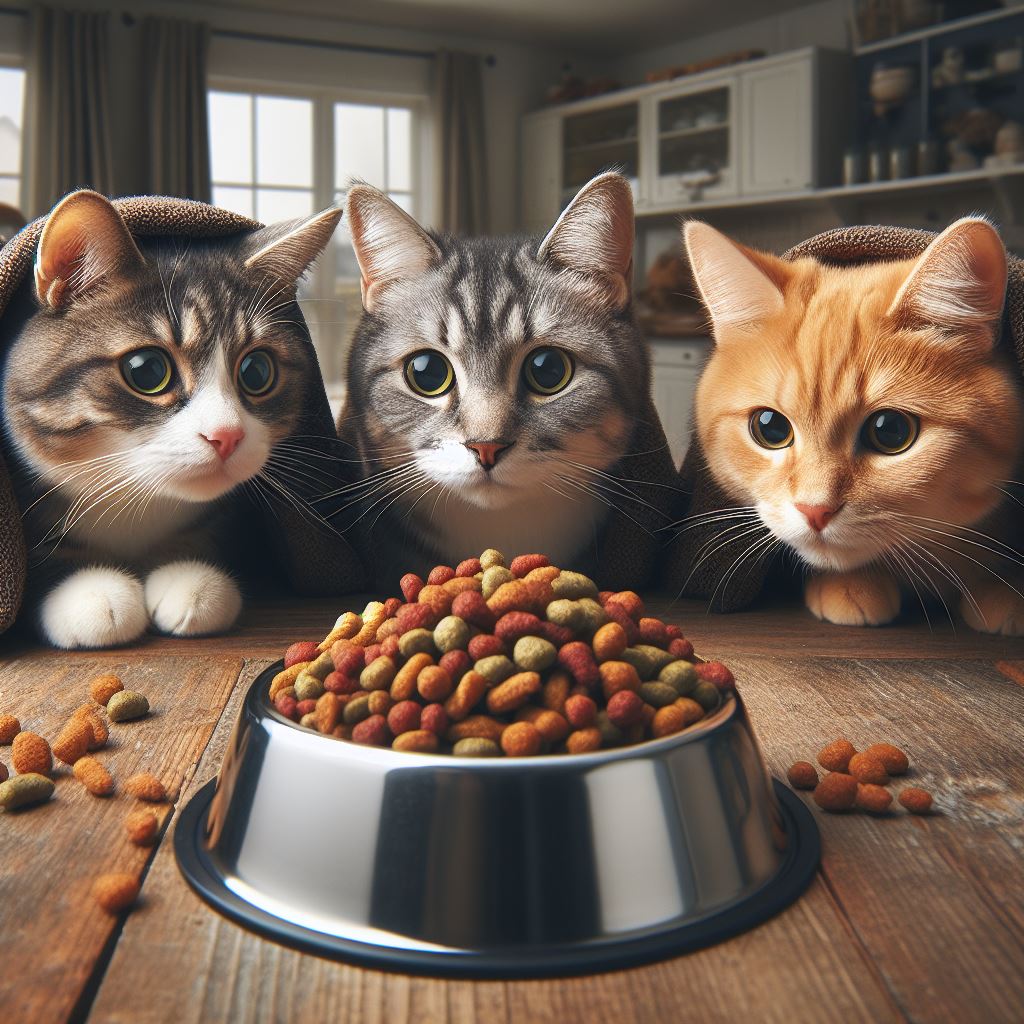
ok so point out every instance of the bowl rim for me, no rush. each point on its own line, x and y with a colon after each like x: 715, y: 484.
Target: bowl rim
x: 257, y: 701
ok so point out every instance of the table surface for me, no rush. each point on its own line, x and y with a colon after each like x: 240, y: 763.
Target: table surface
x: 907, y: 919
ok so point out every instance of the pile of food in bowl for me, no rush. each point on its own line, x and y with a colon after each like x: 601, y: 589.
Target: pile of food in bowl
x: 496, y: 657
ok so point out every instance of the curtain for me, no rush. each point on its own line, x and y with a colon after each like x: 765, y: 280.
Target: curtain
x: 179, y: 150
x: 68, y: 105
x: 461, y: 171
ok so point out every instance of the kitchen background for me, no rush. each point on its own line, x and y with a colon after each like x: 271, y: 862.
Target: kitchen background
x: 772, y: 119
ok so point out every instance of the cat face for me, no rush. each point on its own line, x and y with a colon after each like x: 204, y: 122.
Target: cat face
x: 169, y: 366
x: 851, y: 406
x: 487, y: 367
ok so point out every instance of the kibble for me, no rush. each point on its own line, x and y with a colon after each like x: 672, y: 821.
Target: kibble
x: 892, y: 758
x: 867, y: 769
x: 802, y: 775
x: 126, y: 705
x: 31, y: 754
x: 9, y: 728
x: 142, y: 827
x: 73, y: 741
x: 102, y: 688
x: 115, y: 892
x: 917, y: 801
x: 836, y: 792
x: 836, y: 756
x: 146, y: 786
x: 873, y: 799
x: 91, y: 774
x: 25, y: 790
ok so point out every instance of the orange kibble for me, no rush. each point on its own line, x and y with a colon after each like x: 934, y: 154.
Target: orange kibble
x: 513, y: 693
x: 917, y: 801
x: 74, y: 741
x: 146, y: 786
x: 102, y: 688
x: 100, y: 732
x: 31, y: 753
x: 476, y: 727
x: 550, y: 724
x: 434, y: 683
x: 583, y: 741
x: 556, y: 691
x: 873, y: 799
x: 894, y: 760
x: 469, y: 692
x: 9, y: 728
x: 142, y: 827
x: 802, y: 775
x: 836, y: 792
x: 328, y: 711
x: 115, y: 892
x: 630, y: 602
x: 521, y: 739
x: 836, y: 756
x: 417, y: 741
x: 403, y: 686
x: 865, y: 768
x: 609, y: 642
x: 668, y: 720
x: 616, y: 676
x: 91, y: 774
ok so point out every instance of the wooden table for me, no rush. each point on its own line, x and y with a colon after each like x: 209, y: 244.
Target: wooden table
x: 908, y: 918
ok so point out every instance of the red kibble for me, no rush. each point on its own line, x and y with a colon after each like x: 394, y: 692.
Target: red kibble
x: 434, y: 719
x: 580, y: 711
x: 304, y: 650
x: 372, y: 731
x: 440, y: 574
x: 456, y: 664
x: 674, y: 632
x: 557, y: 635
x: 305, y: 707
x: 522, y: 564
x: 391, y: 605
x: 715, y: 672
x: 348, y: 659
x: 338, y: 683
x: 404, y: 717
x: 630, y: 602
x: 287, y: 705
x: 371, y: 654
x: 619, y: 614
x: 625, y: 708
x: 514, y: 625
x: 389, y: 647
x: 603, y: 595
x: 577, y: 659
x: 471, y: 606
x: 653, y: 631
x: 410, y: 585
x: 486, y: 645
x: 417, y: 616
x: 469, y: 567
x: 679, y: 647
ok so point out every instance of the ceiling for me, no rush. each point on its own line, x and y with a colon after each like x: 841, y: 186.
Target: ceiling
x: 600, y: 26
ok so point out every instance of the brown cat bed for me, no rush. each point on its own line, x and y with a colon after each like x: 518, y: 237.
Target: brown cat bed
x: 839, y: 247
x: 311, y: 559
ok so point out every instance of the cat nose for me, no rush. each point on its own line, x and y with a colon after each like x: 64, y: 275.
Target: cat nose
x: 487, y: 452
x: 225, y: 440
x: 818, y: 516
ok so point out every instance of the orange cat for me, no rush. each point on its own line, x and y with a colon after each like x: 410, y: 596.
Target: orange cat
x: 864, y: 417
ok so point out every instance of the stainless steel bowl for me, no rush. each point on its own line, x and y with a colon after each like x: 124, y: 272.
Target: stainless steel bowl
x: 501, y: 867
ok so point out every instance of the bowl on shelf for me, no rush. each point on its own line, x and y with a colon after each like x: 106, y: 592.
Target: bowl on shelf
x: 495, y: 867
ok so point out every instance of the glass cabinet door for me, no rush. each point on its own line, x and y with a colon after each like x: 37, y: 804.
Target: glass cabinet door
x: 600, y: 140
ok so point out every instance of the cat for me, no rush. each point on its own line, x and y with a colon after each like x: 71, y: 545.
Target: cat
x: 496, y: 384
x: 865, y: 418
x: 143, y: 382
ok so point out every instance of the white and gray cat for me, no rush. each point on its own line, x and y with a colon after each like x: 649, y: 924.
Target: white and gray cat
x: 142, y: 383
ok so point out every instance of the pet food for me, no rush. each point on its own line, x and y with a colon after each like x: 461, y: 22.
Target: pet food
x: 23, y: 790
x: 836, y: 756
x: 102, y: 688
x: 126, y: 705
x: 892, y: 758
x: 867, y: 769
x: 917, y: 801
x: 31, y: 754
x: 873, y: 799
x: 836, y: 792
x: 91, y: 774
x: 493, y: 657
x: 9, y: 728
x: 73, y: 741
x: 142, y: 827
x: 802, y: 775
x: 145, y: 786
x: 115, y: 892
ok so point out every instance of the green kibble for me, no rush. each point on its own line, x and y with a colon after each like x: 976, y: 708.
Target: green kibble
x: 596, y: 616
x: 567, y: 613
x: 494, y: 578
x: 416, y: 641
x: 379, y: 674
x: 533, y: 654
x: 573, y: 585
x: 680, y: 675
x: 647, y: 660
x: 476, y: 746
x: 125, y: 705
x: 23, y: 790
x: 495, y: 669
x: 706, y: 695
x: 451, y: 634
x: 307, y: 686
x: 357, y: 709
x: 322, y: 667
x: 491, y: 558
x: 611, y: 734
x: 658, y: 695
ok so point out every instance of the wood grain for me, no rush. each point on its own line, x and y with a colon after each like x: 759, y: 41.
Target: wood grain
x: 52, y: 936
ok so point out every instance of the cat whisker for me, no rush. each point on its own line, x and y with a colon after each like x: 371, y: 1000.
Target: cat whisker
x: 710, y: 518
x: 900, y: 566
x: 947, y: 570
x: 763, y: 545
x: 369, y: 483
x: 623, y: 479
x: 1014, y: 554
x: 593, y: 492
x: 922, y: 558
x: 402, y: 491
x: 747, y: 531
x: 393, y: 479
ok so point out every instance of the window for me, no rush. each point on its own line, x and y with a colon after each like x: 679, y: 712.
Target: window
x: 12, y: 103
x: 276, y: 157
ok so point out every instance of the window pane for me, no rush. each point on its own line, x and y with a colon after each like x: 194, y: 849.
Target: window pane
x: 399, y: 149
x: 237, y: 199
x: 9, y: 189
x: 358, y: 144
x: 12, y: 96
x: 345, y: 263
x: 284, y: 141
x: 230, y: 136
x: 274, y: 204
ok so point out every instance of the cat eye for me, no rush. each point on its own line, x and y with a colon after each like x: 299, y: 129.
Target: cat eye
x: 149, y: 371
x: 548, y: 370
x: 429, y: 374
x: 770, y: 429
x: 889, y: 431
x: 257, y: 373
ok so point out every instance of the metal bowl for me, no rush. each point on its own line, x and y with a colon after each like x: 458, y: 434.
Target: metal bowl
x: 505, y: 867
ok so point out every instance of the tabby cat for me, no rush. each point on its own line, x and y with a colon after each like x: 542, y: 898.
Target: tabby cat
x: 494, y: 383
x: 143, y: 382
x: 866, y: 418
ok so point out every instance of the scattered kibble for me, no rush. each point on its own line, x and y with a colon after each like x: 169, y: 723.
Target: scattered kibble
x: 894, y: 760
x: 142, y: 827
x: 836, y: 756
x: 146, y: 786
x: 802, y: 775
x: 9, y: 728
x: 917, y: 801
x: 867, y: 769
x: 102, y: 688
x: 31, y: 754
x: 836, y: 792
x: 126, y: 705
x: 115, y: 892
x: 91, y: 774
x: 24, y: 790
x: 873, y: 799
x: 74, y: 741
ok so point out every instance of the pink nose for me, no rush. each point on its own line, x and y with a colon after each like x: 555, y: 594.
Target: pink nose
x: 487, y: 452
x: 225, y: 440
x: 818, y: 516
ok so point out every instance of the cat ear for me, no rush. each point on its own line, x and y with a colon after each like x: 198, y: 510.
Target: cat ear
x: 740, y: 287
x: 390, y: 246
x: 958, y: 284
x: 84, y: 244
x: 594, y: 238
x: 286, y: 250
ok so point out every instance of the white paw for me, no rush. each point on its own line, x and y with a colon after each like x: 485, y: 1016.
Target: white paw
x: 192, y: 599
x: 95, y: 607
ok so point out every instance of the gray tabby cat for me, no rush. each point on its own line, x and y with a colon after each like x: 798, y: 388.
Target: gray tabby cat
x: 143, y: 382
x: 496, y: 384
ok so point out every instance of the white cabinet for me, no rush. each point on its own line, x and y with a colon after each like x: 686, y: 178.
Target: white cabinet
x: 676, y: 368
